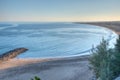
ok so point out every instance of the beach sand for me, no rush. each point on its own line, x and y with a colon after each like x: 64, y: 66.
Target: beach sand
x: 75, y: 68
x: 113, y: 25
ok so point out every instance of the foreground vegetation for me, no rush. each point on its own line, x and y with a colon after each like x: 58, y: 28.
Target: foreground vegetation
x: 105, y: 61
x: 36, y: 78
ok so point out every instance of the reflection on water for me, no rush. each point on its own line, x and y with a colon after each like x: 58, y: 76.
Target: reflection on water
x: 50, y: 39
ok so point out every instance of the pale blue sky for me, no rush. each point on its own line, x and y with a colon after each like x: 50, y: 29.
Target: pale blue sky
x: 59, y: 10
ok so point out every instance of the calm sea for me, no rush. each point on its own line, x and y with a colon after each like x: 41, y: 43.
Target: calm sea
x: 51, y: 39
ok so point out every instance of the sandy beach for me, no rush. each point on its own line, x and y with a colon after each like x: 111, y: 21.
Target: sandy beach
x: 73, y: 68
x: 48, y: 69
x: 113, y: 25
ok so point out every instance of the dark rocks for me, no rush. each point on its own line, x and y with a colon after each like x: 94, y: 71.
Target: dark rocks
x: 12, y: 54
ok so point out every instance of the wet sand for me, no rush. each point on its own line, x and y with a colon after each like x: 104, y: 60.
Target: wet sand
x: 75, y: 68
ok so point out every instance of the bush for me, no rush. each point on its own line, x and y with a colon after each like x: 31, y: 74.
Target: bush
x: 116, y: 61
x: 105, y: 62
x: 117, y: 45
x: 36, y: 78
x: 100, y: 60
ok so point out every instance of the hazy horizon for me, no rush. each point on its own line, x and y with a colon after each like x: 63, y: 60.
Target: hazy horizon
x: 59, y: 10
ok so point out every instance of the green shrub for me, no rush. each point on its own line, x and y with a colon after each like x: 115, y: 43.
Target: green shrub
x: 101, y: 61
x: 116, y: 61
x: 36, y: 78
x: 117, y: 45
x: 98, y: 55
x: 105, y: 62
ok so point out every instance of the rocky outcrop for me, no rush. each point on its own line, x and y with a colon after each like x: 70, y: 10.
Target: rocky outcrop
x: 12, y: 54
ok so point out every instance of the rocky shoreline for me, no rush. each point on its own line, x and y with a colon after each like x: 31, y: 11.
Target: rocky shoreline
x: 11, y: 54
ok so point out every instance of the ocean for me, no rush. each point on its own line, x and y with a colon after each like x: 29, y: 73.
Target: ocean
x: 55, y: 39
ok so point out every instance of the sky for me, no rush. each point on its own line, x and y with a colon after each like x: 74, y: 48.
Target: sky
x: 59, y: 10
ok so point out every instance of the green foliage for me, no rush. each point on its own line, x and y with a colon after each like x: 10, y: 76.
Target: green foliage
x: 115, y: 64
x: 99, y: 55
x: 106, y: 62
x: 36, y: 78
x: 117, y: 46
x: 116, y: 61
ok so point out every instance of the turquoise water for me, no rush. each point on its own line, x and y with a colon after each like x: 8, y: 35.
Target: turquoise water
x: 51, y: 39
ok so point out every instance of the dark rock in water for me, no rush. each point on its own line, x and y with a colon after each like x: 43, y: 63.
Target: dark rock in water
x: 12, y: 54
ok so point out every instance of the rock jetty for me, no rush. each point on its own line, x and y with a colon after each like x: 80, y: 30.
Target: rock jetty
x: 11, y: 54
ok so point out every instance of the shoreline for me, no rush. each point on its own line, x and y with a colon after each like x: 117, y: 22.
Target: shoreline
x: 16, y: 62
x: 113, y: 25
x: 74, y: 68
